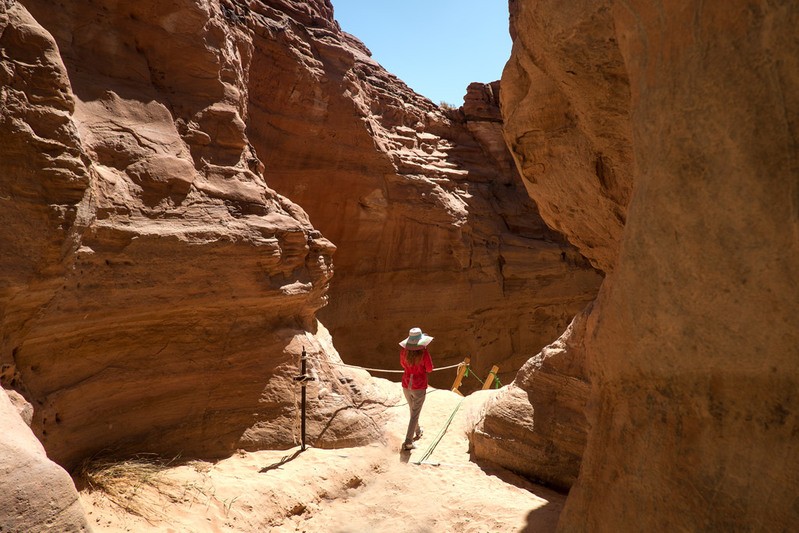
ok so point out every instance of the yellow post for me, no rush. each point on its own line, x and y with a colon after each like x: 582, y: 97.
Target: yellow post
x: 461, y: 373
x: 490, y: 379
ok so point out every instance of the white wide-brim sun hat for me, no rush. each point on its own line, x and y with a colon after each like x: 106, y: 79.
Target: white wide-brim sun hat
x: 416, y: 340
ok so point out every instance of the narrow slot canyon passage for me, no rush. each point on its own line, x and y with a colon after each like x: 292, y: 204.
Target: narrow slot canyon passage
x: 199, y: 196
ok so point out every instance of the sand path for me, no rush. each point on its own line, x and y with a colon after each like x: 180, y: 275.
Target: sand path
x: 371, y: 488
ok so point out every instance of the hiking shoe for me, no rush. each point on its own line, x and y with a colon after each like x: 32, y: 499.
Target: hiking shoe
x: 408, y: 446
x: 418, y: 434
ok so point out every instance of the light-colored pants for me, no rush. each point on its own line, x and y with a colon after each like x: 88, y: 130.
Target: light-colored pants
x: 415, y: 398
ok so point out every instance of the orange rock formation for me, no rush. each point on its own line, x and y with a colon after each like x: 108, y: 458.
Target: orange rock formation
x: 155, y: 292
x: 427, y: 211
x: 36, y: 494
x: 692, y: 343
x: 536, y: 426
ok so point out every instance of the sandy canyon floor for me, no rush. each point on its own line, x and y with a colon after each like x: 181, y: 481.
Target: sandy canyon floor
x: 370, y: 488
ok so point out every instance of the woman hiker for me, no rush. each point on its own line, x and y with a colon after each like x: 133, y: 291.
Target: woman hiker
x: 416, y: 361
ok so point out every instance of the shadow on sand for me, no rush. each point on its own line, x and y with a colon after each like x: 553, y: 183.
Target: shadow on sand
x: 543, y: 519
x: 283, y: 460
x: 405, y: 456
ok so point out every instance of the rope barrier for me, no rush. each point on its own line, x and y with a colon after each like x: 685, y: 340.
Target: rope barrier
x: 467, y: 370
x: 495, y: 382
x: 429, y: 451
x: 470, y: 372
x: 379, y: 369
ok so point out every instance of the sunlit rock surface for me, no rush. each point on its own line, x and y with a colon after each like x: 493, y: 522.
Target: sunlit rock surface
x: 155, y: 293
x: 566, y: 105
x: 431, y: 222
x: 35, y: 494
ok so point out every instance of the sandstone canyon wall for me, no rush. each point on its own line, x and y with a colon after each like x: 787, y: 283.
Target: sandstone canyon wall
x: 692, y: 343
x: 566, y: 111
x: 427, y: 211
x: 567, y: 120
x: 155, y: 293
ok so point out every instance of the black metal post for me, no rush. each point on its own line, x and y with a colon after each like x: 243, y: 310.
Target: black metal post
x: 302, y: 373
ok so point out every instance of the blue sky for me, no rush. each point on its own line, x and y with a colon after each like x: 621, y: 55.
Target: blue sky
x: 437, y: 47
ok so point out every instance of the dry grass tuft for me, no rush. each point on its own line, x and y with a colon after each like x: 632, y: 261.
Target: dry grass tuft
x: 138, y: 485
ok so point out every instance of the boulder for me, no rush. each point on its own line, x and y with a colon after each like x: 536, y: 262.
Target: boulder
x: 536, y: 426
x: 36, y: 494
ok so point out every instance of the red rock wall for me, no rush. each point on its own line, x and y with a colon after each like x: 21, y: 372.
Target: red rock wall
x: 565, y: 105
x: 567, y: 120
x: 693, y: 341
x: 431, y: 224
x: 155, y: 293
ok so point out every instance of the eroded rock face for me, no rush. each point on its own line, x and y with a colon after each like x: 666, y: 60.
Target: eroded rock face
x: 155, y: 293
x: 566, y: 105
x: 36, y: 494
x: 429, y: 217
x: 693, y: 340
x: 537, y: 425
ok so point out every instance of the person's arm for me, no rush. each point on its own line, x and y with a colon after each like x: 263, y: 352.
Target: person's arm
x: 428, y: 362
x: 403, y: 361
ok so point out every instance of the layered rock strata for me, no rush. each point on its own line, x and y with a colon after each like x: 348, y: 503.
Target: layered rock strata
x: 431, y: 222
x: 692, y: 343
x: 536, y: 426
x: 155, y: 293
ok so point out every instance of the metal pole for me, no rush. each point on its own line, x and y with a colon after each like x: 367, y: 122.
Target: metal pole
x: 302, y: 404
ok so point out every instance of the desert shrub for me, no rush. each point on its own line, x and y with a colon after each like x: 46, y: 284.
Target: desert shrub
x: 136, y: 485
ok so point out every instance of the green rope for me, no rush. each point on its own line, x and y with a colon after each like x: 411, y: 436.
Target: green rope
x: 429, y: 451
x: 473, y: 375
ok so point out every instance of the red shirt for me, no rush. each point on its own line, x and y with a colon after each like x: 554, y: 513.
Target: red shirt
x: 415, y: 376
